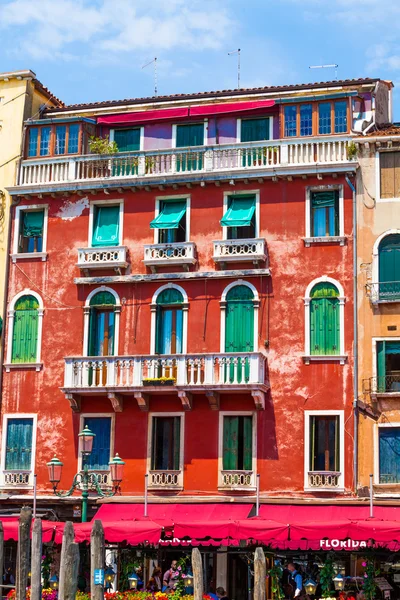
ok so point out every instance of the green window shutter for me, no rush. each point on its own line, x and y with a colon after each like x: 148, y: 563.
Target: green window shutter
x: 381, y: 365
x: 240, y: 212
x: 332, y: 326
x: 170, y: 216
x: 106, y: 226
x: 230, y: 443
x: 254, y: 130
x: 247, y: 443
x: 190, y: 135
x: 239, y: 327
x: 25, y: 330
x: 19, y: 445
x: 317, y: 326
x: 324, y: 320
x: 100, y: 456
x: 389, y: 267
x: 33, y: 223
x: 177, y: 442
x: 127, y: 140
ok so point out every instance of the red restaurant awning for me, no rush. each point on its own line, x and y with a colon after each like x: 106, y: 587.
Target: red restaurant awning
x: 229, y: 107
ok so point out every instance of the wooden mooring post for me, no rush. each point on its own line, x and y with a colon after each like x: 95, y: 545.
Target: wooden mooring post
x: 197, y: 574
x: 36, y: 561
x: 260, y: 574
x: 68, y: 539
x: 70, y: 569
x: 97, y: 559
x: 23, y: 552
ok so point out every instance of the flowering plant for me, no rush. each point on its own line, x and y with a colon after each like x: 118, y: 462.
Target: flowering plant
x: 47, y: 594
x: 369, y: 585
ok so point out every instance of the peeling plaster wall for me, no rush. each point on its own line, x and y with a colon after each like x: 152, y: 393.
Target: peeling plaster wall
x: 295, y: 387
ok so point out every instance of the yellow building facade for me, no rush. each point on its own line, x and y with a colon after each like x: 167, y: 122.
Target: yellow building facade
x: 378, y: 203
x: 22, y: 97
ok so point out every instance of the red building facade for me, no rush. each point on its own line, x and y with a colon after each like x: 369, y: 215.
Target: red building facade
x: 189, y: 297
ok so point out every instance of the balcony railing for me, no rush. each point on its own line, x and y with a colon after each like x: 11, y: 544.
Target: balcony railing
x: 252, y: 250
x: 247, y: 156
x: 323, y: 480
x: 16, y: 479
x: 174, y: 254
x: 237, y: 480
x: 112, y: 257
x: 165, y: 480
x: 387, y: 384
x: 188, y: 370
x: 388, y: 291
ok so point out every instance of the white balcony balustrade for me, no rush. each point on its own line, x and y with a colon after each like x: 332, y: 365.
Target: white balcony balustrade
x: 16, y: 479
x: 111, y: 257
x: 247, y: 156
x: 193, y: 371
x: 324, y: 480
x: 251, y: 250
x: 237, y: 480
x: 165, y: 480
x: 177, y: 254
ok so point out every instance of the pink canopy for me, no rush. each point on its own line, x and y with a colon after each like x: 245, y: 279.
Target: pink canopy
x: 229, y: 107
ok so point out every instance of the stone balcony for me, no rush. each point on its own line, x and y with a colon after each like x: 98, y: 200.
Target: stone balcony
x: 183, y: 375
x: 178, y: 254
x: 16, y: 479
x: 166, y: 167
x: 165, y: 480
x: 324, y: 481
x: 237, y: 481
x: 247, y: 250
x: 109, y: 257
x: 383, y: 292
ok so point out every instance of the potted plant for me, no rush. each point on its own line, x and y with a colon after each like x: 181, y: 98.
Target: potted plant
x: 158, y: 381
x: 103, y: 147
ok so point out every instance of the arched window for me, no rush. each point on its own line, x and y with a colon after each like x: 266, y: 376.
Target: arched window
x: 102, y: 324
x: 169, y: 322
x: 324, y: 320
x: 25, y: 330
x: 389, y: 267
x: 239, y: 319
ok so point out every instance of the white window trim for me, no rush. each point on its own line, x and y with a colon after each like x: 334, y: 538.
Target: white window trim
x: 141, y: 143
x: 110, y: 203
x: 375, y: 253
x: 378, y: 177
x: 153, y: 321
x: 111, y: 416
x: 175, y: 127
x: 256, y: 304
x: 181, y: 441
x: 323, y: 413
x: 239, y: 128
x: 240, y: 413
x: 86, y: 318
x: 378, y: 426
x: 10, y: 325
x: 389, y: 338
x: 17, y: 226
x: 307, y: 299
x: 6, y: 417
x: 322, y: 188
x: 228, y: 195
x: 160, y: 199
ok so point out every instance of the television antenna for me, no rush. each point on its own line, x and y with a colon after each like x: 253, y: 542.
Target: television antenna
x: 155, y: 72
x: 326, y: 67
x: 238, y: 65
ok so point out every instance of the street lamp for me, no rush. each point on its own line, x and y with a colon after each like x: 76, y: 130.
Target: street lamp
x: 54, y: 582
x: 85, y: 480
x: 311, y: 587
x: 338, y: 582
x: 109, y: 577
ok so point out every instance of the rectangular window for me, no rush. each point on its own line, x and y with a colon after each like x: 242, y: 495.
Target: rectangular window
x: 237, y: 443
x: 254, y: 130
x: 290, y: 121
x: 390, y: 174
x: 166, y: 443
x: 305, y: 119
x: 31, y: 231
x: 101, y: 453
x: 171, y: 221
x: 240, y: 218
x: 388, y: 366
x: 341, y: 116
x: 389, y: 454
x: 190, y: 135
x: 325, y: 213
x: 73, y: 139
x: 61, y: 136
x: 106, y: 225
x: 33, y: 141
x: 18, y: 456
x: 324, y: 118
x: 45, y: 134
x: 324, y: 443
x: 127, y: 140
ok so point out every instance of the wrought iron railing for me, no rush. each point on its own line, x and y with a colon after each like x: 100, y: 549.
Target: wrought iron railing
x: 387, y: 384
x: 385, y: 291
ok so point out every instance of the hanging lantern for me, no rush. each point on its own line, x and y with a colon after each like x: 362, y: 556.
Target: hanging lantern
x: 86, y: 438
x: 109, y: 576
x: 116, y: 470
x: 311, y: 587
x: 189, y: 581
x: 338, y: 582
x: 133, y: 581
x: 55, y: 469
x: 54, y: 582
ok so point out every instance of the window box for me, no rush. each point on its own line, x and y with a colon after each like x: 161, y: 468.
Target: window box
x: 29, y: 256
x: 157, y: 381
x: 329, y: 239
x: 15, y: 366
x: 307, y: 358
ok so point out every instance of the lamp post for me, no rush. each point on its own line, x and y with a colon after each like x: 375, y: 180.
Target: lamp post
x: 85, y: 480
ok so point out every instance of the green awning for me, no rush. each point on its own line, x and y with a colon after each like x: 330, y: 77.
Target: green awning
x: 170, y: 216
x: 240, y: 212
x: 33, y: 223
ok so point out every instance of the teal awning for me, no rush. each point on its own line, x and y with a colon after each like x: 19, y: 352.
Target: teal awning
x: 33, y: 224
x: 240, y: 212
x: 170, y: 216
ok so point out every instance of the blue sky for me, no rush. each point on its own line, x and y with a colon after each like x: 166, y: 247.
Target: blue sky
x: 91, y: 50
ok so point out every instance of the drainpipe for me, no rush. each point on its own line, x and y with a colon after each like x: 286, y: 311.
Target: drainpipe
x: 355, y: 338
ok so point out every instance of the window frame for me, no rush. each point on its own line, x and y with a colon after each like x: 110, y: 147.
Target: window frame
x: 236, y: 413
x: 175, y: 128
x: 377, y: 426
x: 239, y: 128
x: 153, y: 317
x: 86, y: 415
x: 15, y: 256
x: 37, y: 365
x: 116, y: 202
x: 308, y: 357
x: 178, y: 197
x: 86, y: 319
x: 340, y: 238
x: 5, y: 420
x: 52, y: 141
x: 315, y: 118
x: 141, y: 142
x: 307, y: 440
x: 375, y: 258
x: 225, y: 203
x: 223, y: 304
x: 181, y: 443
x: 378, y: 154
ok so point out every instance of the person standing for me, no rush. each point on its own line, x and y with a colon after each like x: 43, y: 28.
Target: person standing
x: 295, y: 580
x: 154, y: 583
